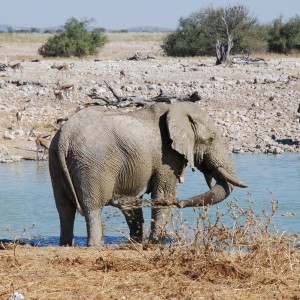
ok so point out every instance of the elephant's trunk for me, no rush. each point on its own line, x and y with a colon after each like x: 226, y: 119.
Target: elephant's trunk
x: 216, y: 194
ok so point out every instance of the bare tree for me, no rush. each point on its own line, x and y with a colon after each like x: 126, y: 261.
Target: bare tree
x: 223, y: 52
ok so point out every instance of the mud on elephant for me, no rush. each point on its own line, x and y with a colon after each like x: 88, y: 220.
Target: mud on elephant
x: 113, y: 157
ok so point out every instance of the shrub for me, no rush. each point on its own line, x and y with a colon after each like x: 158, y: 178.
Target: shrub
x: 74, y: 40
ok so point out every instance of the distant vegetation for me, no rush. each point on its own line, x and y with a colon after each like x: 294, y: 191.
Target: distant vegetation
x: 198, y: 33
x: 284, y: 37
x: 74, y: 40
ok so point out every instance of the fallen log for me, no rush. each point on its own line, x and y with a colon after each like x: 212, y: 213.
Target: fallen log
x: 137, y: 56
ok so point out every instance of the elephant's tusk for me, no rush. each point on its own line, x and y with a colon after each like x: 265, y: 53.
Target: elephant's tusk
x: 231, y: 179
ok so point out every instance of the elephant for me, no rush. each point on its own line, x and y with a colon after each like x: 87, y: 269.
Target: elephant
x: 113, y: 157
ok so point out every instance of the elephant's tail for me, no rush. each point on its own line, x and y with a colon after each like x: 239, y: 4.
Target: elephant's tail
x: 62, y: 154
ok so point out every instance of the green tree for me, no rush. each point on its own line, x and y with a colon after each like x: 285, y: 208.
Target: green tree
x: 198, y: 33
x: 291, y: 32
x: 276, y: 40
x: 74, y: 40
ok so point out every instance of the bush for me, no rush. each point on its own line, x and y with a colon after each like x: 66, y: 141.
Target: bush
x: 198, y: 34
x: 74, y: 40
x: 284, y: 38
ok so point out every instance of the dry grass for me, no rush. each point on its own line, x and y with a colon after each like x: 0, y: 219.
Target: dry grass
x: 128, y: 37
x: 90, y: 273
x: 120, y: 45
x: 248, y: 260
x: 23, y: 37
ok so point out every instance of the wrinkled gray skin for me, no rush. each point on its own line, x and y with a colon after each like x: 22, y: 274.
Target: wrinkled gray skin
x: 113, y: 158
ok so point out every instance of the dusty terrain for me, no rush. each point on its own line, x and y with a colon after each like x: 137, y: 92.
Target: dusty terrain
x: 254, y: 105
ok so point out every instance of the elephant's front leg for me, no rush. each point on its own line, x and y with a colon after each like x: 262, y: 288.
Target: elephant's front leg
x: 164, y: 188
x: 94, y: 227
x: 133, y: 213
x: 160, y: 218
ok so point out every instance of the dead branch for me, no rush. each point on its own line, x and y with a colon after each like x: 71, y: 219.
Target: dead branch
x: 135, y: 101
x: 113, y: 92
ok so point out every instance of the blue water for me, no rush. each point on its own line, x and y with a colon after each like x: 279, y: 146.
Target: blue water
x: 26, y: 198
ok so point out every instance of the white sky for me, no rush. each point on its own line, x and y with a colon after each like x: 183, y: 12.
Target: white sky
x: 123, y: 14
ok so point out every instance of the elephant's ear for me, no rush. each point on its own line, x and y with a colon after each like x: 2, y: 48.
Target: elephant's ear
x: 181, y: 132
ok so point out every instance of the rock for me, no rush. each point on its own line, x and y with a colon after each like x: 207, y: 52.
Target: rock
x: 16, y: 296
x: 19, y: 132
x: 9, y: 136
x: 7, y: 158
x: 255, y: 104
x: 2, y: 84
x: 3, y: 150
x: 277, y: 150
x: 215, y: 78
x: 241, y: 82
x: 273, y: 150
x: 259, y: 79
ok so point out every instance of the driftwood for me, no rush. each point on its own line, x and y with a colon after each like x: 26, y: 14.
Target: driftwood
x: 138, y: 56
x: 249, y: 61
x: 137, y: 101
x: 162, y: 97
x: 113, y: 92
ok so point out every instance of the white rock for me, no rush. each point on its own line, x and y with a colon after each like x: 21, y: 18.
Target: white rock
x: 16, y: 296
x: 9, y: 136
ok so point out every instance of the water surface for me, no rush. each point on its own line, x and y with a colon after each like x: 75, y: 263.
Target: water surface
x: 26, y: 197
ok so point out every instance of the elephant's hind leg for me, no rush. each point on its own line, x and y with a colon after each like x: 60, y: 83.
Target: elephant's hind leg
x: 66, y: 212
